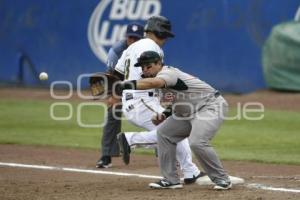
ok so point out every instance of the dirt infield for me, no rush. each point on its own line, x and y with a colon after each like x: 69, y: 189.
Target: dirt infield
x: 22, y: 183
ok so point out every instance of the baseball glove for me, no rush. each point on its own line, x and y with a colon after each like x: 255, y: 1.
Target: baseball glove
x: 102, y: 83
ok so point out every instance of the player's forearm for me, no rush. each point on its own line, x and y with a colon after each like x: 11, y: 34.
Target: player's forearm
x: 149, y: 83
x: 143, y: 84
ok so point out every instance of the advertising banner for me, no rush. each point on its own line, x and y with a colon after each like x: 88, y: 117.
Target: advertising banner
x: 219, y: 41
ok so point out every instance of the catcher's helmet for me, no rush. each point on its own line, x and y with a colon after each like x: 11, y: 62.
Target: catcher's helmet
x: 160, y: 26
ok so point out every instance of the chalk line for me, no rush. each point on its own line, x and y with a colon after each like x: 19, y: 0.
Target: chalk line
x: 67, y: 169
x: 77, y: 170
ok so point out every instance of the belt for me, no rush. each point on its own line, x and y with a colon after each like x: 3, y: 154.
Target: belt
x: 129, y: 95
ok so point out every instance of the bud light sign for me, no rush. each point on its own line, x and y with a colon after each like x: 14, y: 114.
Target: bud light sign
x: 109, y: 20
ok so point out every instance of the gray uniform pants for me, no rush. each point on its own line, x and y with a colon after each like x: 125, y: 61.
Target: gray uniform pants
x: 201, y: 127
x: 109, y: 142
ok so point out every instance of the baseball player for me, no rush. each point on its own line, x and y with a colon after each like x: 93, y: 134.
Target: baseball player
x: 138, y: 106
x: 134, y: 32
x: 198, y: 112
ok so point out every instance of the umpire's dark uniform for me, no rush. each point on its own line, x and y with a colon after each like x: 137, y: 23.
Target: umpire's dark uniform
x: 109, y: 143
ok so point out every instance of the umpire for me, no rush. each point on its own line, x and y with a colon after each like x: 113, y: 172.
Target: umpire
x: 110, y: 148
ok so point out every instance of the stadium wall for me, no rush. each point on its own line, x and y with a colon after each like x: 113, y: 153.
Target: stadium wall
x: 218, y: 40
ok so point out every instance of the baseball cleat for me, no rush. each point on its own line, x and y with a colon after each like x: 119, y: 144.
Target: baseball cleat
x: 164, y: 184
x: 104, y: 162
x: 124, y: 148
x: 194, y: 179
x: 223, y: 185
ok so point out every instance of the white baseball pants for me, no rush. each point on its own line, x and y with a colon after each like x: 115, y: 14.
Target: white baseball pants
x: 138, y: 108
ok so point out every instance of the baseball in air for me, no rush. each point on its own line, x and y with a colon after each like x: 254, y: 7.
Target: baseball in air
x: 43, y: 76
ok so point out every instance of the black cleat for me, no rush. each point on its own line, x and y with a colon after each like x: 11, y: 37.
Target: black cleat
x: 223, y: 185
x: 104, y: 162
x: 164, y: 184
x: 194, y: 179
x: 124, y: 148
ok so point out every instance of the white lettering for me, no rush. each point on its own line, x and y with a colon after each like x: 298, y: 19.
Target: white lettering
x: 258, y: 109
x: 151, y: 8
x: 102, y: 34
x: 134, y: 9
x: 117, y: 33
x: 238, y: 114
x: 122, y: 32
x: 118, y: 10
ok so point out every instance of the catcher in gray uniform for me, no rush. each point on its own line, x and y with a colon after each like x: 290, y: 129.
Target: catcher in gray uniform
x: 197, y: 112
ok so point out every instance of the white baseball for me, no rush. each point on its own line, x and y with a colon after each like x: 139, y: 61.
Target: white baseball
x: 43, y: 76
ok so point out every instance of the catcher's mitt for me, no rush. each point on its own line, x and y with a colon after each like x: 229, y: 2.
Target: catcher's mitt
x: 101, y: 83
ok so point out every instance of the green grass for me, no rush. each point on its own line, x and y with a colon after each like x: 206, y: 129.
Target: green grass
x: 275, y: 139
x: 29, y: 123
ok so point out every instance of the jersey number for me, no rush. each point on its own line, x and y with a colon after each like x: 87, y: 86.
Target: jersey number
x: 127, y: 65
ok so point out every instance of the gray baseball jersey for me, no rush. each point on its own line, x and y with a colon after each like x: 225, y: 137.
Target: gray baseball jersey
x: 190, y: 93
x: 202, y: 109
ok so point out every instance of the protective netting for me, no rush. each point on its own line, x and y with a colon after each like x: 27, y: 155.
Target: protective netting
x: 281, y: 57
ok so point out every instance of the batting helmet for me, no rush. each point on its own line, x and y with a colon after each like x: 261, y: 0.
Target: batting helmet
x: 160, y: 26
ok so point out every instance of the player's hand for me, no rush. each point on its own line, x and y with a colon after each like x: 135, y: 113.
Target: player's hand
x: 158, y: 118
